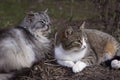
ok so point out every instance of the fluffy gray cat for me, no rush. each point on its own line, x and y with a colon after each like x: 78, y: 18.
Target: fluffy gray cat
x: 22, y: 46
x: 79, y: 47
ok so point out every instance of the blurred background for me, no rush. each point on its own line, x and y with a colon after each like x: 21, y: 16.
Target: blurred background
x: 12, y: 11
x: 104, y: 13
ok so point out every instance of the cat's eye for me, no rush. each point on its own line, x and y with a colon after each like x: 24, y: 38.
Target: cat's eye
x: 42, y: 22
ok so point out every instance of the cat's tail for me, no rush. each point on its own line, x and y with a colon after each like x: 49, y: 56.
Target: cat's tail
x: 6, y: 76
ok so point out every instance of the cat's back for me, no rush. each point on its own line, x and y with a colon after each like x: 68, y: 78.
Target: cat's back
x: 11, y: 37
x: 98, y: 35
x: 9, y: 32
x: 101, y: 41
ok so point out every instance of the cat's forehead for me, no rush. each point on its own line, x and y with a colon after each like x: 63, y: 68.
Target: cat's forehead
x: 72, y: 31
x: 41, y: 16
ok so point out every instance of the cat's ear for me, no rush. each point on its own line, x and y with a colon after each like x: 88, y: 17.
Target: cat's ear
x: 55, y: 41
x: 46, y: 10
x: 30, y: 16
x: 68, y: 31
x: 82, y: 26
x: 85, y: 36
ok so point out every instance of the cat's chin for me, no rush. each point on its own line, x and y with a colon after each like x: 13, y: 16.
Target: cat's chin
x: 74, y: 49
x: 78, y: 49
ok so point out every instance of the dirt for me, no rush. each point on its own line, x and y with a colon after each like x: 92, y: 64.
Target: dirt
x: 48, y: 69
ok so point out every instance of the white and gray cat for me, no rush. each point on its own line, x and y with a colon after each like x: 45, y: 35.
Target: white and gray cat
x: 22, y: 46
x: 77, y: 47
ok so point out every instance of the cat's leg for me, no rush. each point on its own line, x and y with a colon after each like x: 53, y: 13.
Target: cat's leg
x: 79, y: 66
x: 115, y: 64
x: 66, y: 63
x: 111, y: 50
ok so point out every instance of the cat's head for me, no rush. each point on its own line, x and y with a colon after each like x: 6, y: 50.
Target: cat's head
x: 36, y: 22
x: 71, y: 37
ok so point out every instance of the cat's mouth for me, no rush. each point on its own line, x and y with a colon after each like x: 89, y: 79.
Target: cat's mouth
x: 46, y: 28
x: 80, y: 47
x: 75, y: 44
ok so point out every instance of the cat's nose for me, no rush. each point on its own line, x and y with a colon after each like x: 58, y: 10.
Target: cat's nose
x: 48, y: 26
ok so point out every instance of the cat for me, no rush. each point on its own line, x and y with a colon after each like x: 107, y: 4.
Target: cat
x: 25, y: 44
x: 77, y: 48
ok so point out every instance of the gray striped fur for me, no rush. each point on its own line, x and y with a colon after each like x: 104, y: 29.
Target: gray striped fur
x: 22, y: 46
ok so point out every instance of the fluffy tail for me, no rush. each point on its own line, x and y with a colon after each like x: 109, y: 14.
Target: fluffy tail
x: 6, y: 76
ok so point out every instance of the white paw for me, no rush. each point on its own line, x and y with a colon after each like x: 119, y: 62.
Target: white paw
x: 79, y: 66
x: 66, y: 63
x: 115, y: 64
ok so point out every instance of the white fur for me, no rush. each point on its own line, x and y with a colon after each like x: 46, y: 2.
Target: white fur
x: 79, y: 66
x: 66, y: 63
x: 115, y: 64
x: 19, y: 59
x: 61, y: 54
x: 68, y: 58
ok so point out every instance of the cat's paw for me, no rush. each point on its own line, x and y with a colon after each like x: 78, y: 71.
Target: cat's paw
x: 79, y: 66
x: 115, y: 64
x: 66, y: 63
